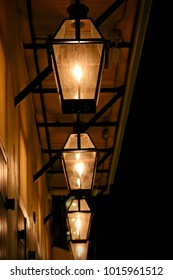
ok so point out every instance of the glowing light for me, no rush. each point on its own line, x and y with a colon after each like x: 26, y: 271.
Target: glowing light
x: 76, y: 95
x: 78, y: 225
x: 78, y: 182
x: 77, y: 72
x: 77, y: 156
x: 79, y: 250
x: 79, y: 168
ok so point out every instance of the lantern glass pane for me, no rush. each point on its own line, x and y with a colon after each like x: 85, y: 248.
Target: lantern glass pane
x: 79, y: 250
x: 79, y: 166
x: 79, y: 224
x: 87, y: 30
x: 78, y: 63
x: 75, y: 206
x: 85, y: 141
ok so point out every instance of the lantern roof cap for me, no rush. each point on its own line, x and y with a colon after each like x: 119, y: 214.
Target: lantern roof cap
x: 72, y: 141
x: 77, y: 11
x: 78, y: 205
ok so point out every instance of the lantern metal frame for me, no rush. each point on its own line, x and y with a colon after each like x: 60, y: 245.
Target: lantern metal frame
x: 79, y: 105
x: 74, y: 236
x: 79, y: 150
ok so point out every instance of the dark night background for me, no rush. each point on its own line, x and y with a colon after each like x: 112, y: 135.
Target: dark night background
x: 135, y: 221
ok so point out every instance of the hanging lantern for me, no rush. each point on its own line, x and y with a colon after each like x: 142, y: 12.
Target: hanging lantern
x: 78, y: 55
x: 79, y: 220
x: 79, y: 162
x: 79, y: 250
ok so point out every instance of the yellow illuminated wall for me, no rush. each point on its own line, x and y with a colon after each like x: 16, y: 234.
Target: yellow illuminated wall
x: 19, y: 141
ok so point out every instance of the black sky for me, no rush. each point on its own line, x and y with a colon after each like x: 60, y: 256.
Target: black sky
x: 135, y: 220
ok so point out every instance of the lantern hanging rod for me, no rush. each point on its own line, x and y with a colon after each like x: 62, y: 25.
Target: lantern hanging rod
x: 77, y: 11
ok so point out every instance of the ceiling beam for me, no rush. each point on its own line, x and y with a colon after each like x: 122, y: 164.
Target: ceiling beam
x: 108, y: 12
x: 101, y: 150
x: 46, y: 166
x: 44, y: 46
x: 120, y: 92
x: 40, y: 76
x: 47, y: 218
x: 54, y: 90
x: 29, y: 88
x: 104, y: 158
x: 70, y: 124
x: 60, y: 171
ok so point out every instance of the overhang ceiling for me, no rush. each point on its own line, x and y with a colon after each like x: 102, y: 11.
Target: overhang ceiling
x: 123, y: 23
